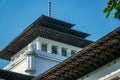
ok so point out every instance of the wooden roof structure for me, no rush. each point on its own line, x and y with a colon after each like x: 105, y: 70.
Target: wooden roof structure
x: 89, y: 59
x: 49, y: 28
x: 8, y: 75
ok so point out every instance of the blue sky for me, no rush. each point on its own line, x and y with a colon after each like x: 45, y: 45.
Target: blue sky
x: 16, y: 15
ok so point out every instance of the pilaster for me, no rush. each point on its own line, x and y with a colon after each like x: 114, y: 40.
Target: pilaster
x: 59, y: 50
x: 68, y: 52
x: 49, y: 47
x: 38, y: 45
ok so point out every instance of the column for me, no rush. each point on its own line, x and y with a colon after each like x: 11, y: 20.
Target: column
x: 68, y: 52
x: 30, y: 47
x: 30, y: 55
x: 30, y: 61
x: 59, y: 50
x: 30, y: 64
x: 49, y: 48
x: 38, y: 45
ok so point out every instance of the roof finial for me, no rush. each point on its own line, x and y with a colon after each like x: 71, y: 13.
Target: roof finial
x: 49, y: 8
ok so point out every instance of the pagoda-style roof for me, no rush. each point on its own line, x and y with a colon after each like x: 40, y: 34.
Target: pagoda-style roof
x: 8, y: 75
x: 56, y: 21
x: 49, y: 28
x: 59, y: 25
x: 87, y: 60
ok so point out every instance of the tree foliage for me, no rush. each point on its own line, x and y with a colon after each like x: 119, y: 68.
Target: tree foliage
x: 113, y: 5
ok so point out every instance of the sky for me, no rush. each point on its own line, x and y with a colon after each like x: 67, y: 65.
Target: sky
x: 87, y: 15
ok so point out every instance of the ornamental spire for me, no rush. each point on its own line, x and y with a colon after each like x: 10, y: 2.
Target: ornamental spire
x: 49, y: 8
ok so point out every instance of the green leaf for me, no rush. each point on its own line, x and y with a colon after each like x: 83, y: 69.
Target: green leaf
x: 108, y: 14
x: 113, y: 5
x: 117, y: 14
x: 107, y: 9
x: 109, y: 3
x: 117, y: 6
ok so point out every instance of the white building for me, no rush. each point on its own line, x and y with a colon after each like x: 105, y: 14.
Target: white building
x: 42, y: 45
x: 50, y: 43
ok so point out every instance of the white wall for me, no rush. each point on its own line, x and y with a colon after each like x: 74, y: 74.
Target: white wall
x: 42, y: 60
x: 20, y: 68
x: 45, y: 61
x: 19, y: 65
x: 43, y: 64
x: 103, y: 71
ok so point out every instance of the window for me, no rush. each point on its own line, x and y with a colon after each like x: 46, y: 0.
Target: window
x: 64, y: 52
x: 73, y: 52
x: 54, y: 49
x: 44, y: 47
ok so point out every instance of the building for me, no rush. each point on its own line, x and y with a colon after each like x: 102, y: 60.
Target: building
x: 44, y: 51
x: 98, y: 61
x: 42, y: 45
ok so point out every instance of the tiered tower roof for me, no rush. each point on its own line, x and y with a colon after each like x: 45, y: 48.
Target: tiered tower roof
x: 49, y: 28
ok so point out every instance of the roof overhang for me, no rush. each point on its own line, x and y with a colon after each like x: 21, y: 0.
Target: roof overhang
x: 42, y: 28
x: 8, y: 75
